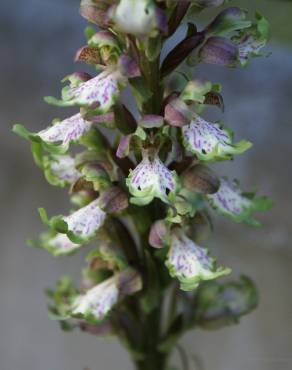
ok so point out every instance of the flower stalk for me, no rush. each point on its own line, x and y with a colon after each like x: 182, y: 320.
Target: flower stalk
x: 142, y: 200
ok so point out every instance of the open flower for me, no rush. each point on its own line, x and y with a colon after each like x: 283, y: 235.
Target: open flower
x: 97, y: 302
x: 98, y: 93
x: 230, y: 201
x: 190, y: 263
x: 145, y: 20
x: 81, y: 225
x: 209, y: 141
x: 151, y: 179
x: 58, y: 137
x: 60, y: 170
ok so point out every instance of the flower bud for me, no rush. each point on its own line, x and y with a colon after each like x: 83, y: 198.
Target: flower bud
x: 157, y: 234
x: 107, y: 46
x: 219, y: 50
x: 113, y: 200
x: 229, y: 20
x: 177, y: 113
x: 145, y: 20
x: 200, y: 179
x: 96, y: 11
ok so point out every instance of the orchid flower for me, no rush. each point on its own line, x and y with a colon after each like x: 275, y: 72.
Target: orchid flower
x: 151, y: 179
x: 190, y: 263
x: 210, y: 141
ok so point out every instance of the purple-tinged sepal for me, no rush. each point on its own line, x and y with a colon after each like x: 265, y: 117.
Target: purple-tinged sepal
x: 200, y: 179
x: 219, y: 50
x: 229, y: 20
x: 230, y: 201
x: 151, y: 179
x: 158, y: 234
x: 95, y: 305
x: 57, y: 138
x: 146, y: 18
x: 221, y: 304
x: 177, y: 113
x: 96, y: 11
x: 190, y: 263
x: 210, y: 141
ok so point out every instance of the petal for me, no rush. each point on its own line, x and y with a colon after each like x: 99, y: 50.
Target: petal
x: 61, y: 245
x: 58, y: 137
x: 229, y: 20
x: 60, y: 170
x: 99, y: 93
x: 158, y: 234
x: 83, y: 224
x: 208, y: 141
x: 150, y: 179
x: 249, y: 46
x: 98, y: 301
x: 190, y: 263
x: 219, y: 50
x: 96, y: 12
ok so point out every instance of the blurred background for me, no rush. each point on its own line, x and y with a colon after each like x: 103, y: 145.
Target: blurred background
x: 38, y: 39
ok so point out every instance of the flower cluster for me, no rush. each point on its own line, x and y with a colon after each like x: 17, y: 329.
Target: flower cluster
x: 139, y: 180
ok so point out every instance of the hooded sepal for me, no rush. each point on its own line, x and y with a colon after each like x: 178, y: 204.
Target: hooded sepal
x: 209, y: 141
x: 190, y: 263
x: 151, y: 179
x: 96, y: 11
x: 219, y: 50
x: 80, y: 226
x: 230, y: 201
x: 229, y: 20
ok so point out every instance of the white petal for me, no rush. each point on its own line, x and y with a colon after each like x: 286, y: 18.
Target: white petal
x: 65, y: 131
x: 86, y: 221
x: 63, y: 167
x: 61, y: 244
x: 152, y: 176
x: 99, y: 300
x: 101, y: 90
x: 229, y: 199
x: 203, y: 137
x: 188, y: 259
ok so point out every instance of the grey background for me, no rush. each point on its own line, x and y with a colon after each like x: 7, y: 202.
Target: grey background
x: 38, y: 40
